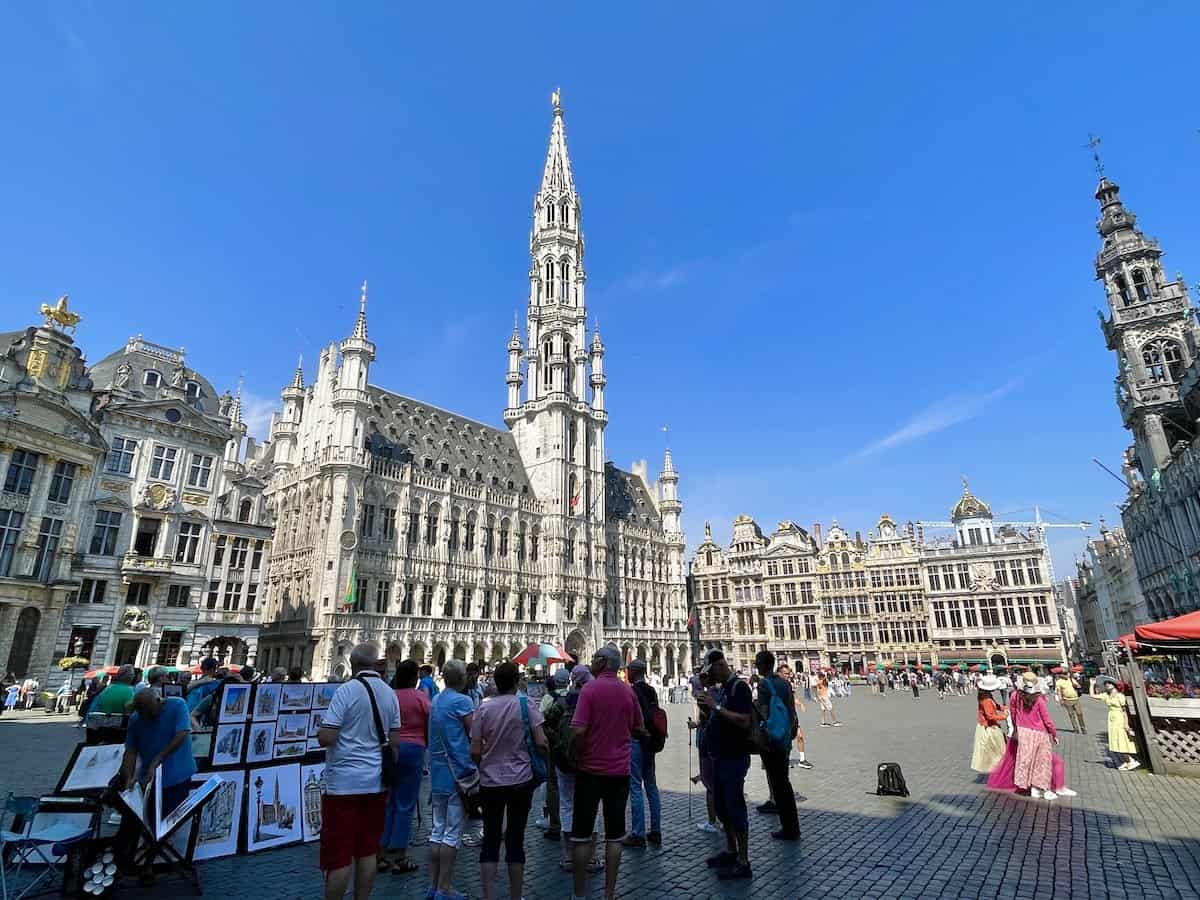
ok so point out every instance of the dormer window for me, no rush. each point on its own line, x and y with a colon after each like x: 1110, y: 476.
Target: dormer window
x: 192, y: 390
x: 151, y: 378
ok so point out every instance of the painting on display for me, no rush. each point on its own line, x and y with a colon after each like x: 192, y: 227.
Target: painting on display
x: 91, y: 768
x: 172, y: 690
x: 290, y: 749
x: 291, y: 727
x: 295, y: 698
x: 235, y: 702
x: 221, y: 819
x: 202, y: 744
x: 227, y: 744
x: 314, y: 721
x: 273, y: 807
x: 312, y: 786
x: 314, y: 744
x: 261, y: 745
x: 323, y: 694
x: 266, y: 702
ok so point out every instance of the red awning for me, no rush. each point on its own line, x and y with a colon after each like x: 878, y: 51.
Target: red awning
x: 1181, y: 628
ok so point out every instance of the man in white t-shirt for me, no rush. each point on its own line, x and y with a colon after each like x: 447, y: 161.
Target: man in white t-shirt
x: 355, y: 801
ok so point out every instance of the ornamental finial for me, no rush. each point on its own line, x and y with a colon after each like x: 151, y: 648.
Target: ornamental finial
x: 1093, y: 144
x: 556, y: 100
x: 362, y: 303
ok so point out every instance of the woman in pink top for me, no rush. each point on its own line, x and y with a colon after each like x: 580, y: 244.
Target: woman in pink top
x: 410, y: 764
x: 1035, y: 734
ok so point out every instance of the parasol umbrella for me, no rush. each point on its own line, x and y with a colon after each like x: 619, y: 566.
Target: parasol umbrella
x: 232, y: 667
x: 540, y: 653
x: 974, y: 668
x: 1057, y: 670
x: 107, y: 670
x: 1077, y: 668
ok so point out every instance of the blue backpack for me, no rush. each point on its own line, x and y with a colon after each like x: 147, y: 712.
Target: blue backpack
x: 778, y: 721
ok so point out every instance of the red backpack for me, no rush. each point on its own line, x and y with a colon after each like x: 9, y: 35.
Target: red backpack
x: 657, y: 726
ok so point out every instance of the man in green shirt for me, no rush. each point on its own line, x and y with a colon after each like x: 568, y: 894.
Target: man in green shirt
x: 117, y: 697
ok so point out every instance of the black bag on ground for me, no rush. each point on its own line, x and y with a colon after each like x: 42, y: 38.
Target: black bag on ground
x: 891, y: 781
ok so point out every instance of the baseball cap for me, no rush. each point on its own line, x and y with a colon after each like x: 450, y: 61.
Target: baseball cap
x: 638, y: 664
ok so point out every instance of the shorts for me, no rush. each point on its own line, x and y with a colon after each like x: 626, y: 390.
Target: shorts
x: 729, y: 792
x: 590, y: 791
x: 826, y: 704
x: 448, y: 818
x: 351, y: 826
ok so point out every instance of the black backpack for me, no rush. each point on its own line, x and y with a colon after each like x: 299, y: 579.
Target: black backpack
x: 891, y: 781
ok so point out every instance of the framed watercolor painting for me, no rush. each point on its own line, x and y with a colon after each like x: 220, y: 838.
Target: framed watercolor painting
x: 273, y: 809
x: 260, y: 746
x: 235, y: 702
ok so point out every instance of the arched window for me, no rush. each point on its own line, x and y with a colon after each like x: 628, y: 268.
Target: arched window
x: 572, y: 502
x: 566, y: 213
x: 572, y: 439
x: 244, y: 510
x: 550, y: 213
x: 708, y: 557
x: 1163, y: 360
x: 521, y: 543
x: 469, y: 532
x: 151, y: 378
x: 1123, y: 290
x: 489, y: 536
x: 846, y: 560
x: 549, y: 279
x: 564, y: 273
x: 431, y: 523
x: 452, y: 538
x: 547, y: 372
x: 534, y: 540
x: 566, y: 346
x: 504, y: 528
x: 571, y: 546
x: 1140, y: 285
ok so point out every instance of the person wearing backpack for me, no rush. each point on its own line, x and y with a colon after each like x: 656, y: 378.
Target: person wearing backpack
x: 777, y: 710
x: 641, y: 764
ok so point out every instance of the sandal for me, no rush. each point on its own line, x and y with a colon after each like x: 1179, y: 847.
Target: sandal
x: 382, y: 864
x: 404, y: 867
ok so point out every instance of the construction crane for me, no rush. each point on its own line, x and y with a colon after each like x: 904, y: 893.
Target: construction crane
x: 1038, y: 524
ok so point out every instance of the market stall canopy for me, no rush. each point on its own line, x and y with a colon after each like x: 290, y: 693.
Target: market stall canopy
x: 1182, y: 632
x: 540, y: 654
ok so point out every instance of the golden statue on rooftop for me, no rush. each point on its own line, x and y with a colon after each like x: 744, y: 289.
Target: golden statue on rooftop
x: 556, y: 98
x: 58, y: 314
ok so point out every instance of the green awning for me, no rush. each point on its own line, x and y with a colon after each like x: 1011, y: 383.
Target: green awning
x: 175, y: 628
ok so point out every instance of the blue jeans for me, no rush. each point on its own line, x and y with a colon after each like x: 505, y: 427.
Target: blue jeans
x: 641, y: 774
x: 402, y: 803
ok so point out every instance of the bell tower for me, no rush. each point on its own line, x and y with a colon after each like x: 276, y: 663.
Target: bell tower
x: 559, y: 422
x: 1151, y: 327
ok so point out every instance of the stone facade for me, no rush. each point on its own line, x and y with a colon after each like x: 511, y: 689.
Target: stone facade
x: 895, y: 598
x: 1151, y: 328
x: 441, y: 537
x: 1115, y: 593
x: 118, y: 473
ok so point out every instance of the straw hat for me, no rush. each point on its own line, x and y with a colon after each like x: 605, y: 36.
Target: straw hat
x: 989, y: 682
x: 1030, y: 683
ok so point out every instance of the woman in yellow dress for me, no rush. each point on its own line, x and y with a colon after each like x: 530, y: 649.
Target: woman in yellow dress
x: 1120, y: 735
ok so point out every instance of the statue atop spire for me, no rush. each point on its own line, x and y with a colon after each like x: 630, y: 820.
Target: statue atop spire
x: 556, y: 101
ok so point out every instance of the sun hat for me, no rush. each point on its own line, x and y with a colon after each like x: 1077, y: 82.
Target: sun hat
x: 989, y: 682
x: 1030, y: 683
x: 580, y: 675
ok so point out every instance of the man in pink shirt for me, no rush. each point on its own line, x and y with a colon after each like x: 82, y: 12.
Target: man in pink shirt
x: 606, y: 720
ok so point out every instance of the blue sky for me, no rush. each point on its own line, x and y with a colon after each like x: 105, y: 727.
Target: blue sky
x: 845, y: 250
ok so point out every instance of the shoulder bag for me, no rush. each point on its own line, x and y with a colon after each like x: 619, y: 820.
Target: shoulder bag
x: 537, y: 762
x: 387, y: 759
x: 467, y: 785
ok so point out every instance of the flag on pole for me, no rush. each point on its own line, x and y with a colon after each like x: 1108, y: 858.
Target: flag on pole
x: 351, y: 588
x: 575, y: 499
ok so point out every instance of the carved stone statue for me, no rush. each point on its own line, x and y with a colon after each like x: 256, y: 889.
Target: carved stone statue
x: 178, y: 376
x: 121, y: 379
x: 224, y: 402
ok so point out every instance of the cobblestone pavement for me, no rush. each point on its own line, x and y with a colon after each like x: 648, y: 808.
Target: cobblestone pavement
x: 1125, y: 835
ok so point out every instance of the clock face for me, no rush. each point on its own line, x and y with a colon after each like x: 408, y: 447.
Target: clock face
x: 349, y: 539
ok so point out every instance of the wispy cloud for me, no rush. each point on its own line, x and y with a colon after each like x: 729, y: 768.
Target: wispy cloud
x: 661, y: 280
x: 256, y: 413
x: 946, y: 413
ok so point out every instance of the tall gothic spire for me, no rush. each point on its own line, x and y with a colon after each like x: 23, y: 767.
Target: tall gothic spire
x: 360, y: 324
x: 556, y: 177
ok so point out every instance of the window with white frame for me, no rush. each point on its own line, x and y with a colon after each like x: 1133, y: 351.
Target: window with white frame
x: 120, y: 456
x: 179, y: 596
x: 91, y: 590
x: 21, y: 469
x: 162, y: 462
x: 200, y: 471
x: 187, y: 544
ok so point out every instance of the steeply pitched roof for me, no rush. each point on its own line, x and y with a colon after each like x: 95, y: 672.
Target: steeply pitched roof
x: 626, y: 499
x: 413, y: 429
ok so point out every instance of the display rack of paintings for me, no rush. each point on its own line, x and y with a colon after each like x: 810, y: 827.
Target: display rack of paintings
x: 295, y: 698
x: 227, y: 744
x: 273, y: 807
x: 221, y: 820
x: 260, y: 746
x: 235, y: 702
x: 202, y: 745
x: 312, y: 786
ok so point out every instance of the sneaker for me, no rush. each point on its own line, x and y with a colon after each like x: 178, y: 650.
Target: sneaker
x: 542, y: 822
x: 708, y: 828
x: 782, y: 835
x: 655, y: 838
x: 634, y: 840
x: 552, y: 834
x: 1035, y: 793
x: 837, y: 724
x: 1067, y: 792
x: 824, y: 724
x: 1133, y: 764
x: 1049, y: 795
x: 804, y: 764
x: 722, y: 859
x: 1123, y: 766
x: 767, y: 808
x: 735, y: 872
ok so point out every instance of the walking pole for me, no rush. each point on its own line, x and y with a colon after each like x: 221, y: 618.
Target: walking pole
x: 690, y: 771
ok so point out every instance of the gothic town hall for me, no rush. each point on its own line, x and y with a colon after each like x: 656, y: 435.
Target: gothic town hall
x: 441, y: 537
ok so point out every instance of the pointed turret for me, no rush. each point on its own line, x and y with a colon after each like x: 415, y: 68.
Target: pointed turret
x: 514, y: 379
x: 556, y: 176
x: 668, y: 491
x: 1151, y: 328
x: 350, y: 399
